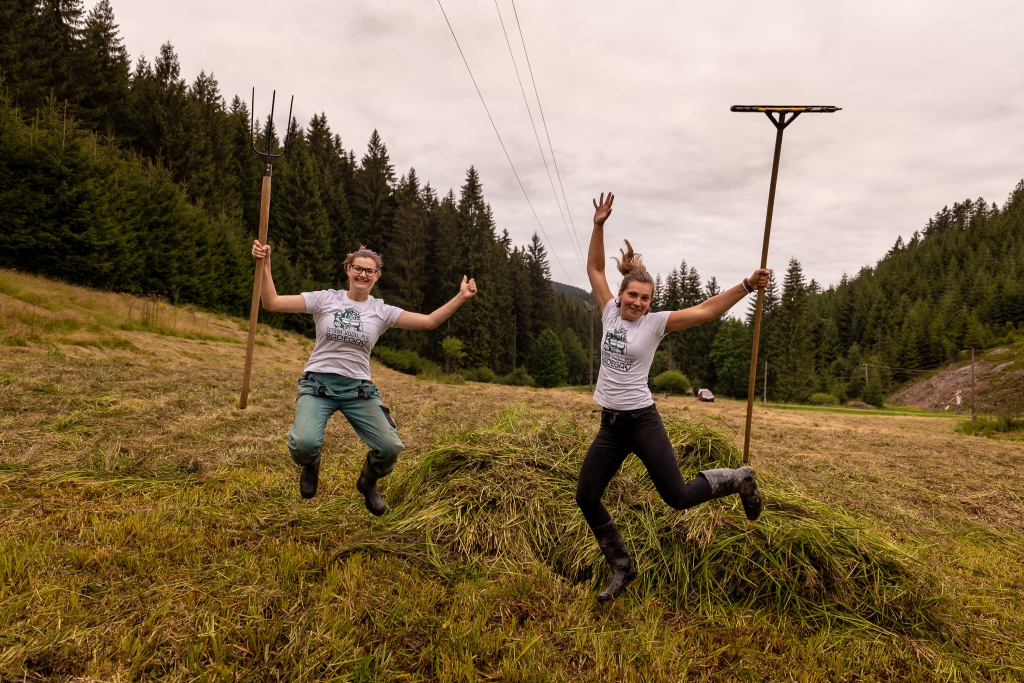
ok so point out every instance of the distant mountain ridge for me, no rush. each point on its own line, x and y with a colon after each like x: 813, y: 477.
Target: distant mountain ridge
x: 581, y: 294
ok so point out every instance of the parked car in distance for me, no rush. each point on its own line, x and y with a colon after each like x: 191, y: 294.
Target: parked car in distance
x: 705, y: 395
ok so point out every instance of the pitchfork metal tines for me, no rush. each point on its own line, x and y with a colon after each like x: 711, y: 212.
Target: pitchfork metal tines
x: 777, y: 114
x: 268, y: 169
x: 268, y: 155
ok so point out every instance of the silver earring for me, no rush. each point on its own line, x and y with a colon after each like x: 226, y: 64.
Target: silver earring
x: 618, y: 301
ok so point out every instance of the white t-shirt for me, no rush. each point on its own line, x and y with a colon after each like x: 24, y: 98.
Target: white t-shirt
x: 627, y: 350
x: 346, y: 331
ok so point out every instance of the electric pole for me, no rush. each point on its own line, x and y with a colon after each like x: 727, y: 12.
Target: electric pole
x: 974, y: 416
x: 765, y: 400
x: 592, y: 307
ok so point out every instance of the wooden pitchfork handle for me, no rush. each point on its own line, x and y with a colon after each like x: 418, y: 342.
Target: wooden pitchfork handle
x: 257, y: 283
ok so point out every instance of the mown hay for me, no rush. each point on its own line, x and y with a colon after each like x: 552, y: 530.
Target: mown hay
x: 504, y: 496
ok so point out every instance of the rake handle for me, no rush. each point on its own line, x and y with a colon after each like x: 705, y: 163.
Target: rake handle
x: 257, y: 285
x: 760, y: 295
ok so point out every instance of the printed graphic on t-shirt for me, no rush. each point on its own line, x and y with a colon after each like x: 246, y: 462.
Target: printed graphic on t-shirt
x: 614, y: 348
x: 348, y: 328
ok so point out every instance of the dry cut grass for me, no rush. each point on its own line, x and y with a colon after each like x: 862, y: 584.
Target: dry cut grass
x: 153, y: 531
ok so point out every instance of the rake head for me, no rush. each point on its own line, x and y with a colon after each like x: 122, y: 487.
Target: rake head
x: 783, y: 110
x: 808, y: 109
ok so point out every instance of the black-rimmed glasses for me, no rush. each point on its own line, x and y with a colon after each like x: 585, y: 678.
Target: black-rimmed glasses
x: 359, y: 270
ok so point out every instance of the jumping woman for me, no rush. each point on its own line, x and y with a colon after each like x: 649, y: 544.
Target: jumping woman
x: 337, y: 374
x: 630, y: 422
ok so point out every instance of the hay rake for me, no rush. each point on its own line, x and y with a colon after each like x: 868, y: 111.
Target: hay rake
x: 780, y: 123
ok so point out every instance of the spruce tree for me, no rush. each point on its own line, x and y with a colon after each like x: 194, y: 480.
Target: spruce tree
x: 22, y: 55
x: 298, y: 219
x: 541, y: 294
x: 44, y: 60
x: 103, y: 67
x: 332, y: 164
x: 244, y: 167
x: 828, y: 345
x: 547, y: 361
x: 671, y: 301
x: 730, y: 352
x: 765, y: 352
x: 791, y: 341
x: 692, y: 345
x: 406, y: 274
x: 523, y: 307
x: 446, y: 264
x: 576, y: 358
x: 374, y: 205
x: 209, y: 164
x: 484, y: 318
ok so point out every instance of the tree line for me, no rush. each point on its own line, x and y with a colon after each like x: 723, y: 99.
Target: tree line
x: 126, y: 176
x: 955, y: 285
x: 123, y: 175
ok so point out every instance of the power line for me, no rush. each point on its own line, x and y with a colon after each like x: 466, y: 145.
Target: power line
x: 551, y: 147
x: 927, y: 368
x: 536, y: 135
x: 495, y: 127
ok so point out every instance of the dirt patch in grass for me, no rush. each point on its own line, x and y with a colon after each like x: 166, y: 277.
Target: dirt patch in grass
x: 998, y: 379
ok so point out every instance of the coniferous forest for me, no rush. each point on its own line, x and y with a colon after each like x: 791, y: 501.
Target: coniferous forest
x: 125, y: 175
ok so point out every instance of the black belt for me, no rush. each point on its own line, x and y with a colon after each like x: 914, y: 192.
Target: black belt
x: 628, y: 414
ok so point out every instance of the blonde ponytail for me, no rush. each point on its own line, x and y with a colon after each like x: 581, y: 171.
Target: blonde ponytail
x: 632, y: 268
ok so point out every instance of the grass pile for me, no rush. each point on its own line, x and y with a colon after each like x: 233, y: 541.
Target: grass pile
x: 504, y: 496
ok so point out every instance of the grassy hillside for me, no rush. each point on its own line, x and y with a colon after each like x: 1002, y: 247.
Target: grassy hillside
x: 154, y: 531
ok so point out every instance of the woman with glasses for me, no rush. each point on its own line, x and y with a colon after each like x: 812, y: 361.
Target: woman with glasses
x: 337, y: 375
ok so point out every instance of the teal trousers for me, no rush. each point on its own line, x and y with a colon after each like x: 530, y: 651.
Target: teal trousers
x: 322, y: 394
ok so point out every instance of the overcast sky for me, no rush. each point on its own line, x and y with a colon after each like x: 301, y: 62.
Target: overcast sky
x: 636, y: 96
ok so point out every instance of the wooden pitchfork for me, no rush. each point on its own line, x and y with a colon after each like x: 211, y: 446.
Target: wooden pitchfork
x: 257, y: 284
x: 780, y: 124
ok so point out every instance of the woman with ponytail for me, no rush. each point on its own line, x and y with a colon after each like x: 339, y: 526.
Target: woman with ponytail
x: 630, y: 422
x: 337, y: 374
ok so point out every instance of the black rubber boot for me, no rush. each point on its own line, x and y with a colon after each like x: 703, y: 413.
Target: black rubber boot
x: 309, y: 478
x: 614, y: 549
x: 725, y: 482
x: 367, y: 485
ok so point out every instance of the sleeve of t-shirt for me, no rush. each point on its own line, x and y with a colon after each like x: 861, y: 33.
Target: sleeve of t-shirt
x: 315, y: 300
x: 661, y: 318
x: 610, y: 309
x: 390, y: 314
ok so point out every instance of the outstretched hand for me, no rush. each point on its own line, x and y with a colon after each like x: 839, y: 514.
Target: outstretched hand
x: 260, y: 251
x: 468, y: 288
x: 603, y: 209
x: 760, y: 278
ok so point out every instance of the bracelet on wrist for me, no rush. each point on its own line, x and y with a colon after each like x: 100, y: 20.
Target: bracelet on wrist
x: 746, y: 286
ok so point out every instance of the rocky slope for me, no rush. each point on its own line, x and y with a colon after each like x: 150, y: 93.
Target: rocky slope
x: 999, y: 384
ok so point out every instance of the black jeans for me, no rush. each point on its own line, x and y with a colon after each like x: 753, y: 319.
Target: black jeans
x: 634, y: 431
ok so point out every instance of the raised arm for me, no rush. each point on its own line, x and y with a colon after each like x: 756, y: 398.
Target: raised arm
x: 418, y: 321
x: 293, y: 303
x: 716, y: 306
x: 595, y: 256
